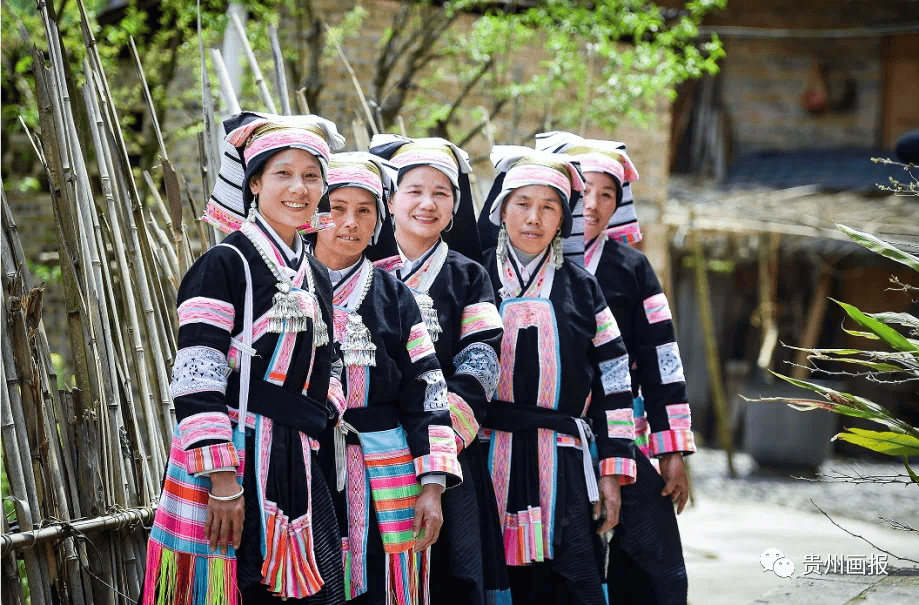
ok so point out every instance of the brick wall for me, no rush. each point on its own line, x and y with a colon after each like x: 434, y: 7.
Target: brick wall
x: 763, y: 82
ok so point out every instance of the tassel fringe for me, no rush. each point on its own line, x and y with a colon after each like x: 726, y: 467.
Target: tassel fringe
x: 407, y: 577
x: 174, y: 578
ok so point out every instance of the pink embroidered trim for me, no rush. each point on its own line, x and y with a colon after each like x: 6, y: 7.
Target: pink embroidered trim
x: 622, y: 168
x: 679, y: 416
x: 674, y: 440
x: 206, y: 425
x: 226, y: 221
x: 337, y: 395
x: 620, y: 424
x: 626, y: 468
x: 210, y: 457
x: 479, y: 317
x: 314, y: 143
x: 419, y: 343
x: 210, y: 311
x: 354, y: 174
x: 529, y: 174
x: 657, y: 309
x: 389, y: 264
x: 463, y: 419
x: 607, y: 328
x: 629, y: 233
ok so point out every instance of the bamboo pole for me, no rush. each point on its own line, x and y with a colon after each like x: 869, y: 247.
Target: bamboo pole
x: 253, y: 64
x: 118, y: 520
x: 279, y: 74
x: 711, y: 351
x: 209, y: 149
x: 301, y: 101
x: 226, y: 86
x: 768, y: 298
x: 816, y: 313
x: 357, y: 85
x: 133, y: 326
x: 21, y: 483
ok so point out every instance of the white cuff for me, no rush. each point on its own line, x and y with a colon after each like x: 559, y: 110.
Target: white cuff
x: 436, y: 478
x: 213, y: 470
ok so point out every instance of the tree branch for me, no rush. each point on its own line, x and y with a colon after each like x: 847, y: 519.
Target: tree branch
x: 864, y: 539
x: 440, y: 127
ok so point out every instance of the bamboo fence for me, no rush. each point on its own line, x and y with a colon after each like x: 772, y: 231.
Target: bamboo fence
x: 84, y: 462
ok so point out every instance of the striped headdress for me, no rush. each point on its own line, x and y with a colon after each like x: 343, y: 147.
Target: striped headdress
x: 405, y: 154
x: 366, y: 171
x: 250, y: 139
x: 609, y: 157
x: 516, y: 167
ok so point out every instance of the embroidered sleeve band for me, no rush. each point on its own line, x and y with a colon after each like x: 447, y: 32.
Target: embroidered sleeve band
x: 614, y: 374
x: 203, y: 426
x: 435, y: 393
x: 674, y: 440
x: 481, y: 361
x: 211, y: 457
x: 442, y: 458
x: 607, y: 328
x: 624, y: 467
x: 657, y: 309
x: 209, y: 311
x: 463, y: 418
x: 419, y: 343
x: 669, y: 363
x: 620, y: 424
x: 478, y: 318
x: 199, y: 369
x: 337, y: 395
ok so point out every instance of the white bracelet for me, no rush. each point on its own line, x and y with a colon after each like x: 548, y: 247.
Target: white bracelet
x: 235, y: 496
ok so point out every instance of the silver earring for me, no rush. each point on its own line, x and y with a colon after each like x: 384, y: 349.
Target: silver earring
x: 449, y: 226
x: 314, y: 221
x: 557, y: 255
x: 253, y: 209
x: 501, y: 249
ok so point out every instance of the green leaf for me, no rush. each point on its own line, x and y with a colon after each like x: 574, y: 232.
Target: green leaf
x: 867, y: 335
x: 881, y: 247
x: 912, y: 474
x: 888, y: 334
x: 884, y: 442
x: 902, y: 319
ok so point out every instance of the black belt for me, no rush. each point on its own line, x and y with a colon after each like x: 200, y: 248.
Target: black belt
x: 296, y: 410
x: 367, y: 420
x: 509, y: 416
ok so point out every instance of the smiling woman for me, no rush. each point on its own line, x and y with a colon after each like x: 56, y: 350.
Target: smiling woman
x: 288, y: 191
x: 564, y: 368
x: 394, y: 447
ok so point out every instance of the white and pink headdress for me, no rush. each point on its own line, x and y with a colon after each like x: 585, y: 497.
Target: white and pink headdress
x: 251, y: 138
x: 366, y: 171
x: 610, y: 157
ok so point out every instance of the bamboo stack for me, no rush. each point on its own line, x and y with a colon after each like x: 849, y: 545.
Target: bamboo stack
x: 85, y: 462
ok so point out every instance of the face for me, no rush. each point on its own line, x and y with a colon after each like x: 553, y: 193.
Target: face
x: 533, y: 215
x: 289, y: 189
x: 354, y: 213
x: 423, y: 205
x: 599, y: 202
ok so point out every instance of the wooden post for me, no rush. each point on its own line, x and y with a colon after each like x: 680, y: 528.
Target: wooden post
x: 816, y: 312
x: 703, y: 292
x: 768, y: 297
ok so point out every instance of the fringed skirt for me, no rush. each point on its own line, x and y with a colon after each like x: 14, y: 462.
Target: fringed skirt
x: 573, y: 574
x: 467, y: 561
x: 180, y: 566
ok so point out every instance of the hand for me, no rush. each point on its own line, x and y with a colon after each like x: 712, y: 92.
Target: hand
x: 224, y: 524
x: 428, y: 515
x: 674, y: 473
x: 611, y: 500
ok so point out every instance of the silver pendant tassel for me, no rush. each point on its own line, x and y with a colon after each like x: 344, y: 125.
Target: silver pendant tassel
x: 429, y: 315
